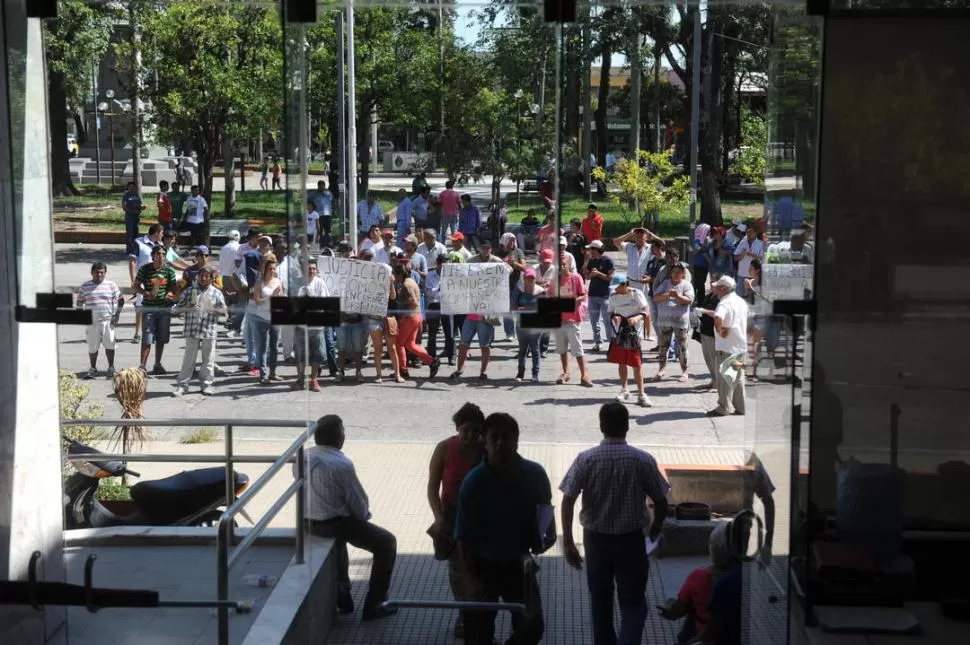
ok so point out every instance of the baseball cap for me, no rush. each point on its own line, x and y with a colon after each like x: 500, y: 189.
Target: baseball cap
x: 387, y: 232
x: 234, y: 234
x: 529, y: 273
x: 487, y: 243
x: 265, y: 238
x: 592, y: 207
x: 736, y: 221
x: 595, y: 244
x: 726, y: 282
x: 412, y: 239
x: 546, y: 255
x: 562, y: 240
x: 457, y: 236
x: 254, y: 232
x: 742, y: 228
x: 344, y: 245
x: 203, y: 249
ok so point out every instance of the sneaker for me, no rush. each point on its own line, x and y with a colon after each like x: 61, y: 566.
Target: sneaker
x: 596, y: 348
x: 512, y: 339
x: 208, y: 390
x: 340, y: 376
x: 180, y: 390
x: 360, y: 376
x: 520, y: 376
x: 135, y: 339
x: 91, y: 373
x: 253, y: 372
x: 715, y: 413
x: 314, y: 385
x: 543, y: 354
x: 455, y: 376
x: 483, y: 376
x: 644, y: 401
x: 158, y: 370
x: 110, y: 374
x: 434, y: 368
x: 535, y: 379
x: 623, y: 396
x: 586, y: 382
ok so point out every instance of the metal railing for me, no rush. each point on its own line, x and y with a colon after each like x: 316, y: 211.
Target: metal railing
x: 224, y: 532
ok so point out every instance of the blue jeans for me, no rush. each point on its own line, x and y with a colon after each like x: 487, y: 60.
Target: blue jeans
x: 247, y: 330
x: 131, y: 233
x: 599, y: 312
x: 622, y: 558
x: 266, y: 340
x: 529, y: 340
x: 330, y: 338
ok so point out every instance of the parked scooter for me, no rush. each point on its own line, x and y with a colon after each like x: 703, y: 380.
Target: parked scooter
x: 190, y: 498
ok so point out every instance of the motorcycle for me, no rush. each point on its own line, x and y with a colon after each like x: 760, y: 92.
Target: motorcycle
x: 190, y: 498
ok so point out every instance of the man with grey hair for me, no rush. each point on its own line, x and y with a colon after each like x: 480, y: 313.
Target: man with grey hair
x: 430, y: 248
x: 730, y: 345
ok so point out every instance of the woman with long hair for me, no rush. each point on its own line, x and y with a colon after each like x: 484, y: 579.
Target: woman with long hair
x: 409, y: 320
x: 266, y: 336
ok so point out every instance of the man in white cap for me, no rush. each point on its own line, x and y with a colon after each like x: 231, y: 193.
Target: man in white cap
x: 730, y: 345
x: 227, y: 254
x: 570, y: 259
x: 736, y: 233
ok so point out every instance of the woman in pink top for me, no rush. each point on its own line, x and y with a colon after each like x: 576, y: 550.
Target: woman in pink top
x: 569, y: 337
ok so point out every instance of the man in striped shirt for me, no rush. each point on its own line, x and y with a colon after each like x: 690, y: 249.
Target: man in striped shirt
x: 104, y: 300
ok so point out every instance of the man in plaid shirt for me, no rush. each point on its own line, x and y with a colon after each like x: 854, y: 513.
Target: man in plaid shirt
x: 615, y: 480
x: 204, y: 305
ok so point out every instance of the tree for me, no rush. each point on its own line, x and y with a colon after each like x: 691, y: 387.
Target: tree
x: 219, y: 75
x: 74, y: 41
x: 647, y: 183
x: 751, y: 160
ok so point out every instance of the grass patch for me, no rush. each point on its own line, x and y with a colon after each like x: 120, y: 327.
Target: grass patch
x: 200, y: 435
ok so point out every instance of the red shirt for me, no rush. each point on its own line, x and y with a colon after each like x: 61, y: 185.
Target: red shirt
x: 449, y: 202
x: 592, y: 227
x: 570, y: 286
x: 164, y: 208
x: 454, y: 473
x: 694, y: 593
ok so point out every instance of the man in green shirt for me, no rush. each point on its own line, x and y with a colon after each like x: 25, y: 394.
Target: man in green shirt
x: 177, y: 196
x: 158, y: 285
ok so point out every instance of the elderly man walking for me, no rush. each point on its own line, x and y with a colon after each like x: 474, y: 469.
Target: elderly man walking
x: 615, y: 480
x: 730, y: 345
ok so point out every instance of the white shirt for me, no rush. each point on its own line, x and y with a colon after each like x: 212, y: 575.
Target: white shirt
x: 227, y: 258
x: 195, y: 209
x: 629, y: 304
x: 431, y: 254
x: 368, y: 244
x: 733, y: 312
x: 368, y: 215
x: 465, y: 254
x: 143, y: 251
x: 636, y: 261
x: 383, y: 254
x: 744, y: 264
x: 311, y: 222
x: 333, y: 489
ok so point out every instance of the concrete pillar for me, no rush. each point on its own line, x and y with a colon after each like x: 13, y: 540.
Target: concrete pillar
x: 30, y: 465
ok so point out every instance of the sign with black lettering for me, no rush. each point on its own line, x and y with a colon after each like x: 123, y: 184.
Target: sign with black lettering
x: 362, y: 287
x: 474, y: 288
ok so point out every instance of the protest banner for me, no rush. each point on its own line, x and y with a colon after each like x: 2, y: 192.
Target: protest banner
x: 786, y: 281
x: 474, y: 288
x: 362, y: 287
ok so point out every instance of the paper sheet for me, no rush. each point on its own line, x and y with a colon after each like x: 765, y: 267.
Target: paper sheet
x: 545, y: 514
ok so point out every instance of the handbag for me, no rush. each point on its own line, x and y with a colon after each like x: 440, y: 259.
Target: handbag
x: 626, y: 337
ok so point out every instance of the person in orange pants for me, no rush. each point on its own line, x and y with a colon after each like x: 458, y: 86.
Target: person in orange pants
x: 409, y: 321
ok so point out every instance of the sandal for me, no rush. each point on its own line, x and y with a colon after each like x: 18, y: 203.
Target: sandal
x: 563, y: 378
x: 274, y: 377
x: 399, y: 379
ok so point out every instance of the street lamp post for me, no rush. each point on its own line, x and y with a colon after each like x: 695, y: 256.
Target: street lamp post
x: 111, y: 133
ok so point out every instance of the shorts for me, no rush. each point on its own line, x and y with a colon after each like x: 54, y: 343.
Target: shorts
x: 569, y: 339
x: 155, y: 327
x: 351, y: 337
x: 481, y: 328
x: 375, y: 324
x: 317, y: 345
x: 101, y: 333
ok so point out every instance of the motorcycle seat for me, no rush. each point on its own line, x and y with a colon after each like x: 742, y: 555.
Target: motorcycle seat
x: 184, y: 493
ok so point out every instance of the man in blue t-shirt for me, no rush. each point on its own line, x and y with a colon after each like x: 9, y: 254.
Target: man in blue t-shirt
x: 132, y: 206
x: 323, y: 204
x: 599, y: 271
x: 502, y: 505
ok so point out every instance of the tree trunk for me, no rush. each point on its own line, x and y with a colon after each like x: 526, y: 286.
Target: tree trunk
x: 711, y: 117
x: 228, y: 169
x: 206, y: 157
x: 602, y: 135
x: 61, y: 183
x: 80, y: 126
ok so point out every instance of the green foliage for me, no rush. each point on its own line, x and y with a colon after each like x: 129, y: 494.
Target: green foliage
x: 647, y: 185
x: 73, y: 41
x: 113, y: 490
x: 73, y: 396
x: 751, y: 160
x: 200, y: 435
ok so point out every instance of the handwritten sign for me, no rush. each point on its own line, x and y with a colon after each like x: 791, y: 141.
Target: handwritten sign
x: 362, y: 287
x: 474, y: 289
x: 786, y: 281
